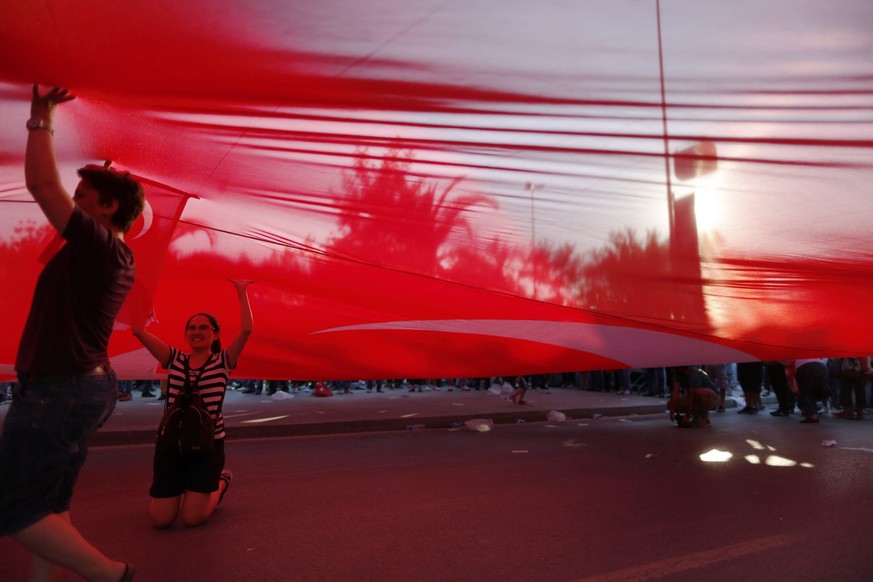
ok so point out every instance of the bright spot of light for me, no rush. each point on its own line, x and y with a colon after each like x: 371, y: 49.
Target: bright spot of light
x: 755, y: 445
x: 708, y: 204
x: 777, y: 461
x: 715, y: 456
x: 807, y: 465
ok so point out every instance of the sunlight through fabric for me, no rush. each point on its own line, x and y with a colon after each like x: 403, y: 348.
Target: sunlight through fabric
x: 463, y: 189
x: 716, y: 456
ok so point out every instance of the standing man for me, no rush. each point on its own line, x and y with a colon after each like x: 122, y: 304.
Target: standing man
x: 66, y: 389
x: 809, y: 379
x: 779, y: 381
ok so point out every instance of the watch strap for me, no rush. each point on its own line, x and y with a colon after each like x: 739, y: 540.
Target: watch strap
x: 35, y: 123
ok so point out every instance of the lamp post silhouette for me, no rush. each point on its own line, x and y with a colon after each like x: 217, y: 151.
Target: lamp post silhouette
x: 689, y: 163
x: 531, y: 187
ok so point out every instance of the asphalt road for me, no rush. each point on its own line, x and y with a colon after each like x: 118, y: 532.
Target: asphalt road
x: 613, y: 499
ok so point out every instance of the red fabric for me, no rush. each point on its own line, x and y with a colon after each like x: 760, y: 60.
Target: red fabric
x: 149, y: 239
x: 465, y: 189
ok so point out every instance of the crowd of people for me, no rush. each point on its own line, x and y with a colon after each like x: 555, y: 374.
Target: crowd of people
x: 842, y: 390
x: 840, y: 386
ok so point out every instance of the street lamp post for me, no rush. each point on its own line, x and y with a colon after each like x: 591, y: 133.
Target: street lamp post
x: 670, y: 202
x: 531, y: 187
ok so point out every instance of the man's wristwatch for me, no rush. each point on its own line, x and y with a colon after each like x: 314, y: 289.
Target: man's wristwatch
x: 35, y: 123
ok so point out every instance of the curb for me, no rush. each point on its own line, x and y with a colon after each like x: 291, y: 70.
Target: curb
x: 139, y: 437
x: 147, y: 436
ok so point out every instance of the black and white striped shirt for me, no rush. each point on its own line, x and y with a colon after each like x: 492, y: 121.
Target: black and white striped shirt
x: 212, y: 383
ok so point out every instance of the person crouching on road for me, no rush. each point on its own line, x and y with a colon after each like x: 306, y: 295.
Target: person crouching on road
x: 694, y: 395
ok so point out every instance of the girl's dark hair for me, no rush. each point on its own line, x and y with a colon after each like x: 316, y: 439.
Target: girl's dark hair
x: 216, y: 343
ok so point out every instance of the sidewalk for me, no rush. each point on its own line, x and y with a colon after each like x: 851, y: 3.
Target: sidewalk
x: 257, y: 416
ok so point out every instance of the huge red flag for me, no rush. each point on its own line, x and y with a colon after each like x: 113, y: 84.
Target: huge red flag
x: 149, y: 240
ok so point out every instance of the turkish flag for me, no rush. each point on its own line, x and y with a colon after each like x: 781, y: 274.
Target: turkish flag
x: 149, y: 239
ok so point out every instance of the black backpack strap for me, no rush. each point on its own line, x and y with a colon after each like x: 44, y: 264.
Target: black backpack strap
x: 187, y: 386
x: 186, y: 376
x: 190, y: 386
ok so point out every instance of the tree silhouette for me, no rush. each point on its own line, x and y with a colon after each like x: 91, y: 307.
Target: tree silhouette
x: 644, y: 280
x: 634, y: 278
x: 553, y: 273
x: 389, y: 217
x: 616, y: 277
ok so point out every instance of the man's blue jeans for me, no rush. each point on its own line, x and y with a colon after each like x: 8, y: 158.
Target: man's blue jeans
x: 44, y: 443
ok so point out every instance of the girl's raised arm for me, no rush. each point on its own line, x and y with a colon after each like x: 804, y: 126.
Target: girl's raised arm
x: 245, y: 320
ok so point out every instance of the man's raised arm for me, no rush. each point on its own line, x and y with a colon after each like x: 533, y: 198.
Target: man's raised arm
x: 40, y: 166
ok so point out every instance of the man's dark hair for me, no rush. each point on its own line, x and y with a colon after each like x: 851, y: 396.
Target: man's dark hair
x: 116, y: 186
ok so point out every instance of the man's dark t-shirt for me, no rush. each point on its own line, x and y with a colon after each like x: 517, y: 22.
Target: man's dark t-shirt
x: 77, y: 296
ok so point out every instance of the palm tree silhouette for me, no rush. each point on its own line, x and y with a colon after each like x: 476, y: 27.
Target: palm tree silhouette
x: 392, y: 218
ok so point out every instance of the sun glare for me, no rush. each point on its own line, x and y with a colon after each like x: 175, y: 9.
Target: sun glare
x: 719, y: 456
x: 708, y: 203
x: 716, y: 456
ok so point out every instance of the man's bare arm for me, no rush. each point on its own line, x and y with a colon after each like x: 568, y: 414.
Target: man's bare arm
x: 41, y: 173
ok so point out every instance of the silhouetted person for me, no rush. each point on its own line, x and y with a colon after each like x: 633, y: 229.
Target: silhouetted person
x: 750, y: 375
x: 66, y: 387
x: 810, y: 378
x: 779, y: 383
x: 693, y: 396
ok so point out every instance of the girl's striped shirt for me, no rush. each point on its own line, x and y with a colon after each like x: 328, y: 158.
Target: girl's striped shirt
x: 212, y: 383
